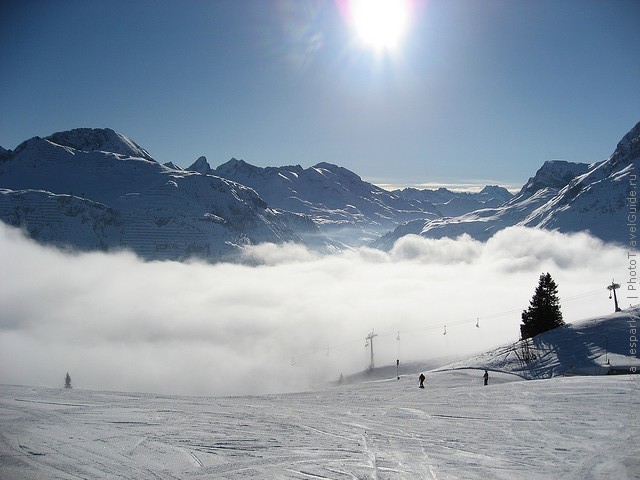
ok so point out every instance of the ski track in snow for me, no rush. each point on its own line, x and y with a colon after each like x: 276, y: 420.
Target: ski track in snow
x: 575, y: 428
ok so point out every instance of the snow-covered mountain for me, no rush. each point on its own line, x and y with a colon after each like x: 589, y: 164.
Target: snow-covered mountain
x: 96, y: 189
x: 563, y: 196
x: 450, y: 203
x: 345, y: 207
x: 103, y: 140
x: 599, y: 199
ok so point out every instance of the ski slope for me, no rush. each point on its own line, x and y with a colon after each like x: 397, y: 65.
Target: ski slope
x: 564, y: 427
x: 373, y: 426
x: 593, y: 346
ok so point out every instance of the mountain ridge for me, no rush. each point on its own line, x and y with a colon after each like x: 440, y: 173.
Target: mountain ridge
x: 93, y: 199
x: 98, y: 178
x: 564, y: 196
x: 347, y: 209
x: 104, y: 139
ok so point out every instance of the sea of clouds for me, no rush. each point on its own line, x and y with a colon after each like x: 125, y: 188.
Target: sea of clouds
x: 284, y: 320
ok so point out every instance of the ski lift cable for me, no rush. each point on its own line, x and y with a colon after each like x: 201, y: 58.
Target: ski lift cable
x: 474, y: 321
x: 582, y: 295
x: 325, y: 348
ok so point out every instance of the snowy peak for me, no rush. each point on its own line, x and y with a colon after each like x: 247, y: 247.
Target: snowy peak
x: 497, y: 192
x: 232, y: 165
x: 338, y: 172
x: 562, y: 196
x: 450, y: 203
x: 240, y: 171
x: 235, y: 167
x: 554, y: 174
x: 172, y: 166
x: 71, y: 189
x: 597, y: 199
x: 629, y: 146
x: 444, y: 195
x: 627, y: 152
x: 347, y: 209
x: 99, y: 139
x: 201, y: 165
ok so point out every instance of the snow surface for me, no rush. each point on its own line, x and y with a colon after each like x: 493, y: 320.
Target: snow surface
x: 99, y: 200
x: 99, y: 139
x: 347, y: 209
x: 102, y: 184
x: 371, y: 426
x: 562, y: 196
x: 451, y: 204
x: 570, y: 428
x: 593, y: 346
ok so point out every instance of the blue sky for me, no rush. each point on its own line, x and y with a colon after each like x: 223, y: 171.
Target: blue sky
x: 477, y: 91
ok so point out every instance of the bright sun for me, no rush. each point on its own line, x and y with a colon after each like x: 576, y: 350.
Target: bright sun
x: 380, y: 24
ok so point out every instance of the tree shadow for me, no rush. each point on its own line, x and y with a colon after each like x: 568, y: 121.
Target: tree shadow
x: 585, y: 350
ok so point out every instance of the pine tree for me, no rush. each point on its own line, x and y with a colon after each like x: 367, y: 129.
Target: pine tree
x: 67, y: 381
x: 544, y: 312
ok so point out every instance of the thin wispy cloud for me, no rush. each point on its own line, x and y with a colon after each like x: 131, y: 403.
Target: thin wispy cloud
x: 116, y: 322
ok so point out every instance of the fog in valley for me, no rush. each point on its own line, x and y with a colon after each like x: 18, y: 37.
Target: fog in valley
x: 287, y: 318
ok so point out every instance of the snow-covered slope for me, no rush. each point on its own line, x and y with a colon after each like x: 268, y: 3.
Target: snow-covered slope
x: 595, y: 346
x: 563, y: 196
x: 554, y: 174
x: 597, y: 200
x: 80, y: 194
x: 573, y: 422
x: 99, y: 139
x: 98, y: 189
x: 561, y: 428
x: 479, y: 224
x: 451, y: 204
x: 95, y: 188
x: 345, y: 207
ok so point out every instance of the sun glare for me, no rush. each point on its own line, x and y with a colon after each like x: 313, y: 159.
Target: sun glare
x: 380, y: 24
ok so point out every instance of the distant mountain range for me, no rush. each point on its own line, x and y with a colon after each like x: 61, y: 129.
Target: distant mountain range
x: 348, y: 210
x: 96, y: 189
x: 563, y: 196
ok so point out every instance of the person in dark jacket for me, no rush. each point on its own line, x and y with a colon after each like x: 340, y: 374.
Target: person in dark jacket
x: 486, y: 377
x: 421, y: 378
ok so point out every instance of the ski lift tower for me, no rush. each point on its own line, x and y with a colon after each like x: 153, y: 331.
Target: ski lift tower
x: 612, y: 288
x: 369, y: 343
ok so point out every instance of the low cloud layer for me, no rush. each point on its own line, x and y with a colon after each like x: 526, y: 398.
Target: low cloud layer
x: 292, y: 319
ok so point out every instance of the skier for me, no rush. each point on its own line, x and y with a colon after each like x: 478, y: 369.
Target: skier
x: 486, y: 378
x: 421, y: 378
